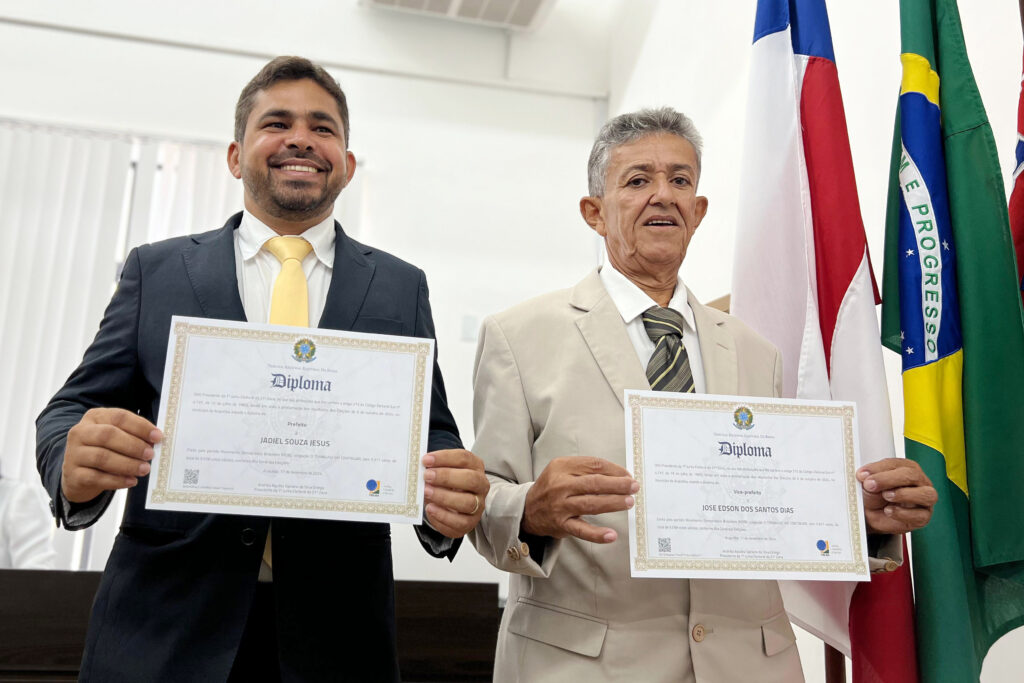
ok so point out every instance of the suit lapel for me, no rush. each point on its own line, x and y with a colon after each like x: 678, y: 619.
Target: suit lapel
x: 605, y: 335
x: 717, y: 350
x: 210, y: 264
x: 350, y: 282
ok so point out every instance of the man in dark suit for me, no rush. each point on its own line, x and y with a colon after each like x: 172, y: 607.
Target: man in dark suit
x: 206, y: 597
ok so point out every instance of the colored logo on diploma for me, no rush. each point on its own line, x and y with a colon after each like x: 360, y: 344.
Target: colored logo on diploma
x: 373, y: 487
x: 743, y: 418
x: 304, y: 350
x: 823, y: 547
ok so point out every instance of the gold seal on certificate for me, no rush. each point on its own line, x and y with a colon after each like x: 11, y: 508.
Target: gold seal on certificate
x: 736, y: 487
x: 292, y: 422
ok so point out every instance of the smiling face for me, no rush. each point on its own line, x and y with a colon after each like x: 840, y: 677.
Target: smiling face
x: 650, y: 208
x: 292, y: 158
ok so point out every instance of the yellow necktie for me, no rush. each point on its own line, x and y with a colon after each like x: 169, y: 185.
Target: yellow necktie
x: 289, y: 303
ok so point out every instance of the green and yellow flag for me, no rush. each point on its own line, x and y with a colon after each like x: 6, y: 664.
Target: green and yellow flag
x: 953, y: 313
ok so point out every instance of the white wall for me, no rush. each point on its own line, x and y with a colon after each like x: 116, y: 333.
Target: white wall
x: 695, y: 57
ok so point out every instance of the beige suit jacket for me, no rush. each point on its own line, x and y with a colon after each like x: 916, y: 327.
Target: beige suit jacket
x: 549, y: 381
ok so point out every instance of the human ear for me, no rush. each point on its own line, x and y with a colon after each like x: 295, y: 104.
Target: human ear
x: 701, y: 209
x: 351, y: 161
x: 234, y: 165
x: 591, y: 210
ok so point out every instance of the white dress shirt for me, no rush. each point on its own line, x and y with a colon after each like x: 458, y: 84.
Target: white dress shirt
x: 26, y: 527
x: 633, y: 301
x: 257, y: 269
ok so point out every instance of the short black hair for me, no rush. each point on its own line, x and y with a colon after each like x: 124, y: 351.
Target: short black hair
x: 288, y: 69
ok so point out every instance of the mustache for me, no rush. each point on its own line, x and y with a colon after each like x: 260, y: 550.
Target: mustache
x: 284, y: 157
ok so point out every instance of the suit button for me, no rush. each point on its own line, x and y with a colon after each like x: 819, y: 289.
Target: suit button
x: 514, y: 554
x: 248, y: 536
x: 698, y: 632
x: 891, y: 566
x: 524, y: 549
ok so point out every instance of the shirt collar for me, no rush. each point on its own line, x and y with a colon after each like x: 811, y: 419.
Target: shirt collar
x: 632, y: 301
x: 253, y: 234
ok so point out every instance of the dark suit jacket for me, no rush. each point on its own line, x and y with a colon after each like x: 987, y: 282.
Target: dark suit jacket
x: 178, y: 586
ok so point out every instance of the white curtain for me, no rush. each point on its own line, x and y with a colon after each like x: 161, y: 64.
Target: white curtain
x: 61, y: 196
x: 182, y: 189
x: 61, y: 200
x: 71, y: 204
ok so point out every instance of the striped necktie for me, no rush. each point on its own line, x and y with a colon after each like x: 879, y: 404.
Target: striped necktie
x: 669, y: 367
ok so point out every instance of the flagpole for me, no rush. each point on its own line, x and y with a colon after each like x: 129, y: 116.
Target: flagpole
x: 835, y: 661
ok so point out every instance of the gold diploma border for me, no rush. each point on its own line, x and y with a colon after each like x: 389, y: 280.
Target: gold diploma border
x: 183, y: 331
x: 644, y: 562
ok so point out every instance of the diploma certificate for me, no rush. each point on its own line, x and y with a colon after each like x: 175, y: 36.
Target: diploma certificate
x: 736, y: 487
x: 292, y: 422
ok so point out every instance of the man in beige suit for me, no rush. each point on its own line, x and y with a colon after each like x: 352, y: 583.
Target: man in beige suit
x: 549, y: 383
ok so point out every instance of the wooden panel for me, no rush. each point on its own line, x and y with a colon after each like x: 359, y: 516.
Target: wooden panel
x: 42, y: 627
x: 446, y: 631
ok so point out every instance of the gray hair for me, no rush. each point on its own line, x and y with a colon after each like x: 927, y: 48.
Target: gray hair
x: 633, y: 126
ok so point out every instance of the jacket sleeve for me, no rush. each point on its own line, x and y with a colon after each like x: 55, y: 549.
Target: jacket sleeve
x: 504, y: 441
x: 106, y: 378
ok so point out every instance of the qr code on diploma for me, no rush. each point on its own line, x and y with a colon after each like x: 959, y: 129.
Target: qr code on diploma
x: 664, y: 545
x: 191, y: 477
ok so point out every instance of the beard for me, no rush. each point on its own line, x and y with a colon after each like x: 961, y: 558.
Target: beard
x: 292, y: 200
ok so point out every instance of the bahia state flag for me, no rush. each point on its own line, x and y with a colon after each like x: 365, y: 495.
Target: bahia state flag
x: 1017, y: 194
x: 953, y: 313
x: 802, y: 278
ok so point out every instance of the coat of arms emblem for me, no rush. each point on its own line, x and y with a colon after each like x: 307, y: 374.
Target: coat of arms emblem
x: 743, y: 418
x: 304, y: 350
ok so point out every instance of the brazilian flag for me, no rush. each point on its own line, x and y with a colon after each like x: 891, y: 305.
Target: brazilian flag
x: 953, y: 312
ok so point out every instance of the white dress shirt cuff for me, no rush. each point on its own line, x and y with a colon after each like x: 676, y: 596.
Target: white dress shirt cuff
x: 75, y: 516
x: 437, y: 543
